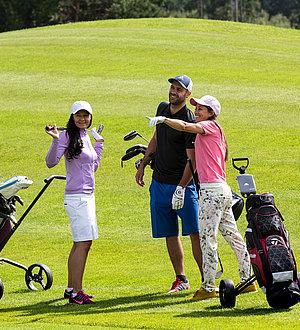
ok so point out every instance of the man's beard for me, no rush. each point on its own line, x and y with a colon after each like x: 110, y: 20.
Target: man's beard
x: 176, y: 101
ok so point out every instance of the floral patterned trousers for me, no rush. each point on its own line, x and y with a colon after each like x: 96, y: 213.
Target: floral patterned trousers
x: 215, y: 214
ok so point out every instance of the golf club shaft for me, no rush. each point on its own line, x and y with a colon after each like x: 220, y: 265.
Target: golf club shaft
x: 143, y: 138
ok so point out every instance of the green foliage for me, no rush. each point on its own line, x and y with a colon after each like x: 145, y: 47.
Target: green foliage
x: 122, y: 67
x: 280, y: 20
x: 18, y: 14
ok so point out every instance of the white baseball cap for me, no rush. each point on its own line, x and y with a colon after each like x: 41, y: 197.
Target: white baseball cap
x: 81, y: 105
x: 208, y: 101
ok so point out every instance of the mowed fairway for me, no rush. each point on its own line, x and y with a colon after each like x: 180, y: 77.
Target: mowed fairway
x: 121, y: 67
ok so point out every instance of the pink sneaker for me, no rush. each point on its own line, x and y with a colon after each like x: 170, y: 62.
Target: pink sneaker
x: 80, y: 298
x: 68, y: 294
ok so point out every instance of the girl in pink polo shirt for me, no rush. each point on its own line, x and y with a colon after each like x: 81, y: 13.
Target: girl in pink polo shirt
x: 215, y: 202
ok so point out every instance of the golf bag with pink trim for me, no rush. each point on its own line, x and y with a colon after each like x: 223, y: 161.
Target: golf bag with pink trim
x: 271, y: 255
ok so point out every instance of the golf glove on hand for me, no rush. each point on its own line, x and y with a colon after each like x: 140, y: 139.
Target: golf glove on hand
x: 156, y: 120
x: 178, y: 198
x: 96, y: 135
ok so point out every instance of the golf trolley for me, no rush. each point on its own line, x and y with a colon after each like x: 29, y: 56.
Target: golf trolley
x: 267, y: 241
x: 36, y: 273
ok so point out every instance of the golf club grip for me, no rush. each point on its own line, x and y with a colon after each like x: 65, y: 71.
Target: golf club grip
x: 52, y: 177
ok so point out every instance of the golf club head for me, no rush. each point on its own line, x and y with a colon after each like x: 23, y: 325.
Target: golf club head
x: 132, y: 154
x: 51, y: 128
x: 100, y: 128
x: 131, y: 135
x: 137, y: 146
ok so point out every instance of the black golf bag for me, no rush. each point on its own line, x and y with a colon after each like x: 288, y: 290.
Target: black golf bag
x: 272, y: 258
x: 7, y: 216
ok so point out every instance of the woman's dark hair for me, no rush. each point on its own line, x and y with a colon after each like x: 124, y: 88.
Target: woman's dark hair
x: 212, y: 113
x: 75, y: 143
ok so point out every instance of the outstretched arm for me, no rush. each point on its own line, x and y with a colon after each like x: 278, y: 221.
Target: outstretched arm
x: 177, y: 124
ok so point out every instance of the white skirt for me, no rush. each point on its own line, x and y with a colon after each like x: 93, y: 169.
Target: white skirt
x: 81, y: 211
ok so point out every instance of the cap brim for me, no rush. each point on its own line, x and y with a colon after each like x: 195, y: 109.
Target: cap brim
x: 197, y: 101
x: 171, y: 80
x: 75, y: 111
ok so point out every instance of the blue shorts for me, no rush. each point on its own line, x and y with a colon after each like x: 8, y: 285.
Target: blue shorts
x: 164, y: 219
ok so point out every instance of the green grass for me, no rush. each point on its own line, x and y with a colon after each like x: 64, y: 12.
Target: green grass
x: 121, y: 67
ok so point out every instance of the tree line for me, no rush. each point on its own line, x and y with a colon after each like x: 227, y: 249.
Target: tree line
x: 20, y: 14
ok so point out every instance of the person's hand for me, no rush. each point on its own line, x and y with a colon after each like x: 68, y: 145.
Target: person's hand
x: 139, y: 176
x: 156, y: 120
x: 52, y: 131
x: 96, y: 135
x: 178, y: 198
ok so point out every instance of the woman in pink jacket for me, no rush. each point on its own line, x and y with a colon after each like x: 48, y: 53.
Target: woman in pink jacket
x: 215, y: 201
x: 81, y: 161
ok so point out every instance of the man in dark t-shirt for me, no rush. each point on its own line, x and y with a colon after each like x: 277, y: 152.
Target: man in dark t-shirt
x: 172, y: 190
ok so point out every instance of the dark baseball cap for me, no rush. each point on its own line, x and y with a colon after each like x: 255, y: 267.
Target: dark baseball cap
x: 184, y: 81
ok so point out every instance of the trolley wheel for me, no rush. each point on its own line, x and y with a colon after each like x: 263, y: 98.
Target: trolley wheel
x: 1, y: 288
x: 38, y: 273
x: 227, y: 293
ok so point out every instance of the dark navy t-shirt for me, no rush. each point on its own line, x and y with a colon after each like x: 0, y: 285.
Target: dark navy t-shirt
x: 170, y: 156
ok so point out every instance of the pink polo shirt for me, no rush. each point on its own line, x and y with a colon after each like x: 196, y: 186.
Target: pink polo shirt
x: 210, y: 149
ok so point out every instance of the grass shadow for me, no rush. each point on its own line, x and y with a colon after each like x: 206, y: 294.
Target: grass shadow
x: 219, y: 311
x: 119, y: 304
x: 133, y: 303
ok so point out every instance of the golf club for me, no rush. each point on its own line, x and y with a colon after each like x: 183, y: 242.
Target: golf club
x: 100, y: 128
x: 132, y: 154
x: 131, y: 135
x: 51, y: 127
x: 136, y: 146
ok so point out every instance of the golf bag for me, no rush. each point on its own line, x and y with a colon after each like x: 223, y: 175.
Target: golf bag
x: 7, y: 216
x: 8, y: 200
x: 272, y: 258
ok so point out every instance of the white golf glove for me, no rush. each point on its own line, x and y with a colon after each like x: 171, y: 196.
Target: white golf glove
x: 156, y: 120
x: 96, y: 135
x: 178, y: 198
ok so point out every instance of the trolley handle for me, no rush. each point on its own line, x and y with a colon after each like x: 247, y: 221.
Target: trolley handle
x: 241, y: 168
x: 52, y: 177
